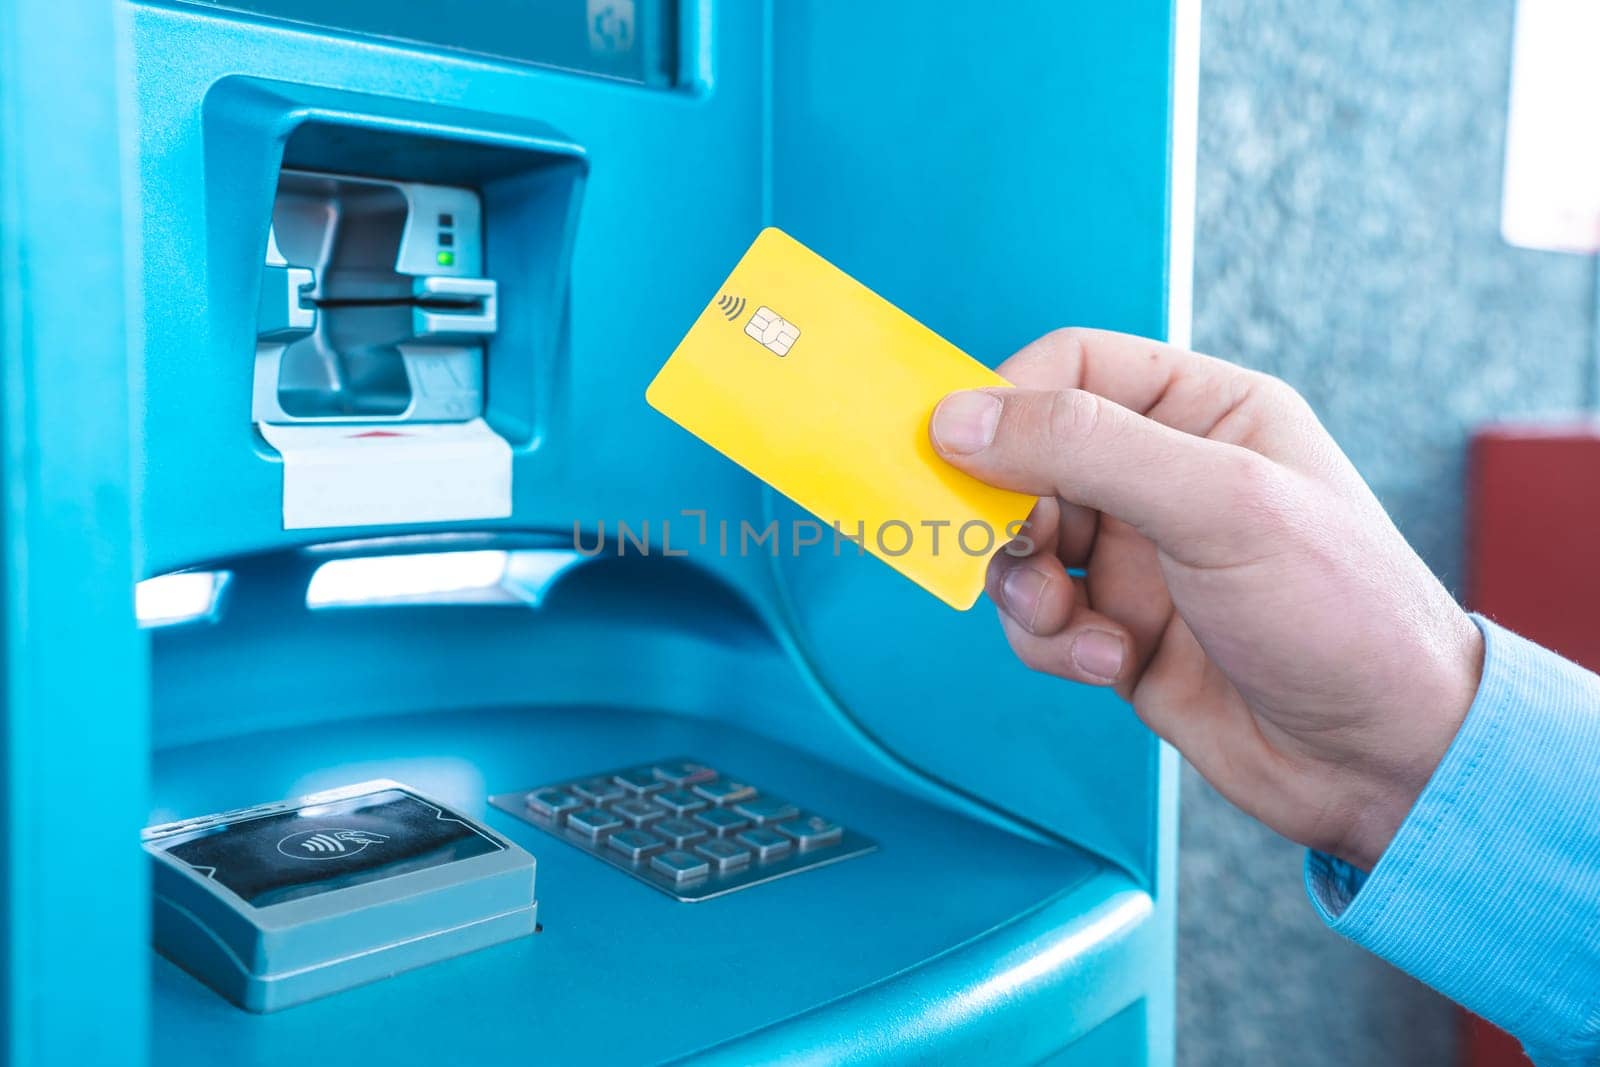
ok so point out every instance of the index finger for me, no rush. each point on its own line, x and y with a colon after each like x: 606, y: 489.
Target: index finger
x: 1187, y: 391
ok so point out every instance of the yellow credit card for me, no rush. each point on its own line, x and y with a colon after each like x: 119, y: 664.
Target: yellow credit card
x: 822, y: 389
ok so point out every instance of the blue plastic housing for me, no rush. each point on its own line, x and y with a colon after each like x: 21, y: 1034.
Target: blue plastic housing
x: 997, y: 174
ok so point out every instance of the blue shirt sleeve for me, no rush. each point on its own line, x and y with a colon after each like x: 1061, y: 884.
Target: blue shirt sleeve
x: 1490, y: 890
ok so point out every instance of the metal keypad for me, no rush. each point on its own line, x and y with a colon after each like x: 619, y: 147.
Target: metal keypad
x: 684, y: 827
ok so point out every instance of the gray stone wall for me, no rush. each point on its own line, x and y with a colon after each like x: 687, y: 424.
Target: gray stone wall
x: 1348, y: 241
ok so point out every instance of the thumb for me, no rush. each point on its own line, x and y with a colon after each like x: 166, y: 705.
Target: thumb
x: 1088, y: 450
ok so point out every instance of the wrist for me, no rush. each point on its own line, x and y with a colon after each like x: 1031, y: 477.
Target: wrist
x: 1420, y: 725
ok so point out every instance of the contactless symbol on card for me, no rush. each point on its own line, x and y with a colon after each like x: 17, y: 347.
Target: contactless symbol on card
x: 776, y: 333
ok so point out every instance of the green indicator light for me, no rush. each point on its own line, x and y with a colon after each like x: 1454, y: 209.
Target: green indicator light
x: 446, y: 259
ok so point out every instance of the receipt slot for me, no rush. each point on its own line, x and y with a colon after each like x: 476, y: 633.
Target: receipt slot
x: 327, y: 326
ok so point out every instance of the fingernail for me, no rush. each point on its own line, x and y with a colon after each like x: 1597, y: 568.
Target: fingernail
x: 965, y: 422
x: 1098, y: 654
x: 1021, y: 588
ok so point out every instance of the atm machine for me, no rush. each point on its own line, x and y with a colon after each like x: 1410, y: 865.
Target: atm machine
x: 359, y: 613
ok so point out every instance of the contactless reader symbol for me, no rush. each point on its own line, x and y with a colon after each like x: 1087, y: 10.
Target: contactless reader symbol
x: 776, y: 334
x: 730, y: 306
x: 327, y: 844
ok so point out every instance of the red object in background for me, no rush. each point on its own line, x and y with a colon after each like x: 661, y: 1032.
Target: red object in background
x: 1533, y: 565
x: 1533, y: 530
x: 1483, y: 1045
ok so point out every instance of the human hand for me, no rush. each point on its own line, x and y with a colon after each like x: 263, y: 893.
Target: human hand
x: 1242, y: 587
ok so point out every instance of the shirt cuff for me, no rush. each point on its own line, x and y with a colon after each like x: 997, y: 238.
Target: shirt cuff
x: 1490, y: 890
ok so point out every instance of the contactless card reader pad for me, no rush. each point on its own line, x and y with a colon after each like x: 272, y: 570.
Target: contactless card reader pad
x: 281, y: 903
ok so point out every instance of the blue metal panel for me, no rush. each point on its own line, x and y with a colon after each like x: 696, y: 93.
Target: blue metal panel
x: 567, y: 34
x: 997, y: 183
x: 1015, y: 994
x: 672, y: 196
x: 938, y: 159
x: 1043, y: 938
x: 74, y: 740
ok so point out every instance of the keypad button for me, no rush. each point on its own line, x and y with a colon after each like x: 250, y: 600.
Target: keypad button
x: 724, y: 855
x: 679, y: 865
x: 681, y: 832
x: 593, y: 821
x: 684, y: 772
x: 637, y: 810
x: 721, y: 821
x: 638, y: 780
x: 553, y: 803
x: 679, y: 801
x: 724, y: 791
x: 598, y: 790
x: 767, y: 842
x: 812, y: 831
x: 636, y: 844
x: 767, y: 809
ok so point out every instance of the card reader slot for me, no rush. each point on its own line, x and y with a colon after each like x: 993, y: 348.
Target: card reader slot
x: 365, y: 313
x: 427, y: 302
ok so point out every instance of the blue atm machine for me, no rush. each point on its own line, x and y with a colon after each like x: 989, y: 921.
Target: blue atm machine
x: 376, y: 687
